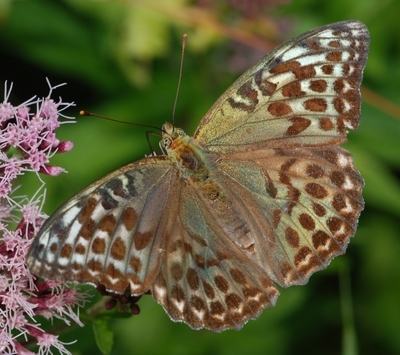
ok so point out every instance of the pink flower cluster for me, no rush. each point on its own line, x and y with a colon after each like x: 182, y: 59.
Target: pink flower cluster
x: 27, y: 142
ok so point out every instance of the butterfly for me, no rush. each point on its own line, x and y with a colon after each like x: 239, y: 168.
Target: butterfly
x: 262, y: 194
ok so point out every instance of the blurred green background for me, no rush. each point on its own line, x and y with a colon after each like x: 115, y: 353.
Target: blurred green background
x: 121, y: 59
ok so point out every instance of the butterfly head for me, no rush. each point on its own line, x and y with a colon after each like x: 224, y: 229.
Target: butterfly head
x: 169, y: 134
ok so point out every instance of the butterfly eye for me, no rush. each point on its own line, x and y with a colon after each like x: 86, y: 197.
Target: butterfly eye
x: 166, y: 143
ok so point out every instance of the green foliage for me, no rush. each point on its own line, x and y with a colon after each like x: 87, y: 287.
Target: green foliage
x: 103, y: 334
x: 121, y: 59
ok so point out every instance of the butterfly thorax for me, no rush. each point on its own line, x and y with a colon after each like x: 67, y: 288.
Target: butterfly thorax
x: 185, y: 152
x: 193, y: 163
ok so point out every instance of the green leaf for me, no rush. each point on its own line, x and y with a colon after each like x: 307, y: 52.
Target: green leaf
x: 104, y: 335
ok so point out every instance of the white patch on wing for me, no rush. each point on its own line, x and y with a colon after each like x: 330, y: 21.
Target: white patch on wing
x: 160, y: 291
x: 294, y: 52
x: 180, y: 305
x: 73, y: 233
x: 348, y: 185
x: 343, y: 161
x: 198, y: 314
x: 70, y: 215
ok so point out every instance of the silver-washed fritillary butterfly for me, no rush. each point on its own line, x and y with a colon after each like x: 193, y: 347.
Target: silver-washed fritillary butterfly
x: 261, y: 195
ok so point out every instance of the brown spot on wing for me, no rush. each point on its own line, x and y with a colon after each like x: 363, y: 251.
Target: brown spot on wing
x: 269, y: 186
x: 197, y: 303
x: 135, y: 264
x: 65, y: 251
x: 289, y: 274
x: 141, y: 240
x: 80, y: 249
x: 129, y: 218
x: 326, y: 124
x: 87, y: 211
x: 316, y: 105
x: 327, y: 154
x: 200, y: 261
x: 87, y: 230
x: 208, y: 289
x: 327, y: 69
x: 192, y: 279
x: 319, y: 210
x: 305, y: 72
x: 94, y: 265
x: 217, y: 308
x: 334, y: 224
x: 285, y: 67
x: 233, y: 301
x: 315, y: 171
x: 222, y: 255
x: 284, y: 178
x: 279, y: 109
x: 334, y: 56
x: 292, y: 237
x: 118, y: 249
x: 299, y: 124
x: 307, y: 222
x: 98, y: 246
x: 318, y: 85
x: 334, y: 44
x: 238, y: 276
x: 338, y: 202
x: 177, y: 293
x: 221, y: 283
x: 338, y: 178
x: 346, y: 69
x: 176, y: 271
x: 293, y: 89
x: 316, y: 190
x: 107, y: 224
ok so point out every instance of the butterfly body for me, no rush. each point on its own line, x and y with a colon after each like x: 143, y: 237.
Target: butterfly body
x: 262, y: 194
x: 189, y: 158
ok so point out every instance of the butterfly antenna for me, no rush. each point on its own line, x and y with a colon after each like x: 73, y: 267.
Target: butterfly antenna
x: 91, y: 114
x: 87, y: 113
x: 184, y: 40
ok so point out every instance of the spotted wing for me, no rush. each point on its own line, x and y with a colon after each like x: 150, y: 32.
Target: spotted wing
x: 304, y: 93
x: 112, y: 232
x: 205, y: 279
x: 301, y: 207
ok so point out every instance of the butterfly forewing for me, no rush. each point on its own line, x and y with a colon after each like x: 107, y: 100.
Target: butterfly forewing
x: 262, y: 194
x: 112, y: 232
x: 306, y: 92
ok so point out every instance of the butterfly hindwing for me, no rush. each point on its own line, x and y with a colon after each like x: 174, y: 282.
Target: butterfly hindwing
x: 302, y: 204
x: 205, y: 279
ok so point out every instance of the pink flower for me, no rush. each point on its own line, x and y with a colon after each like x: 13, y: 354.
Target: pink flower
x: 27, y: 143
